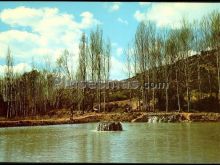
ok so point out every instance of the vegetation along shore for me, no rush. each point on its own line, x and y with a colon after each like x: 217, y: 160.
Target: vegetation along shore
x: 186, y: 59
x: 121, y: 117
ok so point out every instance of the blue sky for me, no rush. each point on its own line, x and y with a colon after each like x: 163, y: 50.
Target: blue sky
x: 41, y: 30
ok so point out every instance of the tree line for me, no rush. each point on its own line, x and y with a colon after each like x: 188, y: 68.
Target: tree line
x: 36, y: 92
x: 164, y: 56
x: 154, y: 55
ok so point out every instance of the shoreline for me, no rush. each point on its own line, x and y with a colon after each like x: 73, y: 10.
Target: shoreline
x: 121, y: 117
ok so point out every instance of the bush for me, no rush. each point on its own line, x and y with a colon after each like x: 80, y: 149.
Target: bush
x: 208, y: 104
x: 118, y: 96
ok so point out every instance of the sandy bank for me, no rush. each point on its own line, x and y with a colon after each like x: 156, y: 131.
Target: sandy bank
x: 122, y: 117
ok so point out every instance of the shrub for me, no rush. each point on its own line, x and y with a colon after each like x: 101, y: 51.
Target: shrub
x: 208, y: 104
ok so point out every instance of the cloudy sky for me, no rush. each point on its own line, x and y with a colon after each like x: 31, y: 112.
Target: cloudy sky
x: 42, y: 30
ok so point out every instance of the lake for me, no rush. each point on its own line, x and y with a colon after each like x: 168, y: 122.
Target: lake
x: 139, y: 142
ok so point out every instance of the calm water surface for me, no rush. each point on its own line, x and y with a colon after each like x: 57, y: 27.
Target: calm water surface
x: 139, y: 142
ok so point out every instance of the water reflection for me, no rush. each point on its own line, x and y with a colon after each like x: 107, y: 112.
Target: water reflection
x: 139, y: 142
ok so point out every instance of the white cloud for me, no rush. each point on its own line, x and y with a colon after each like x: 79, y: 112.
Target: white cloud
x: 19, y: 68
x: 119, y: 51
x: 115, y: 6
x: 170, y: 14
x: 144, y: 3
x: 21, y: 42
x: 140, y: 16
x: 49, y: 32
x: 21, y: 16
x: 118, y: 69
x: 122, y: 21
x: 88, y: 20
x: 22, y: 67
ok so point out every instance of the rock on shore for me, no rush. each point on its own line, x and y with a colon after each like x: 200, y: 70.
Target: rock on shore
x: 177, y: 117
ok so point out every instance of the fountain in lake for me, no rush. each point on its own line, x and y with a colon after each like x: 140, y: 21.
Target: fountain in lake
x: 109, y: 126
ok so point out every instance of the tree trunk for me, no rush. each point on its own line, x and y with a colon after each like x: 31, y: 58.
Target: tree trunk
x: 177, y: 89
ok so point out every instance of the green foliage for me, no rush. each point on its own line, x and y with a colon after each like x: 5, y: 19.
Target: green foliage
x: 118, y: 96
x: 207, y: 104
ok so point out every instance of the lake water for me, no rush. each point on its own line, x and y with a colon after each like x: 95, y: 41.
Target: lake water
x: 139, y: 142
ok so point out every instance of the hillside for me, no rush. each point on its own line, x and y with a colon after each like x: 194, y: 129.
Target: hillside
x: 202, y: 78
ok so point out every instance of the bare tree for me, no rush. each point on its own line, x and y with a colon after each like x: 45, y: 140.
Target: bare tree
x: 186, y: 37
x: 82, y: 71
x: 9, y: 74
x: 167, y: 53
x: 96, y: 50
x: 142, y: 44
x: 197, y: 48
x: 64, y: 75
x: 173, y: 48
x: 107, y: 58
x: 128, y: 54
x: 215, y: 42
